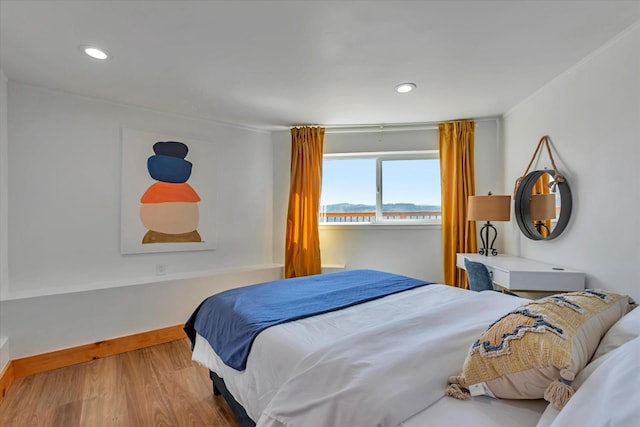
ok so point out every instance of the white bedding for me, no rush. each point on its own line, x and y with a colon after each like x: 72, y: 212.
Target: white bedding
x: 385, y: 375
x: 610, y: 392
x: 482, y: 411
x: 451, y: 317
x: 608, y: 388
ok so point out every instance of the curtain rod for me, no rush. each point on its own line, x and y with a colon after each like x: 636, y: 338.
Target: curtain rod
x: 391, y: 127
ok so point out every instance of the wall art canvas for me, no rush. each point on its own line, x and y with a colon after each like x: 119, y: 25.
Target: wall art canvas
x: 167, y: 193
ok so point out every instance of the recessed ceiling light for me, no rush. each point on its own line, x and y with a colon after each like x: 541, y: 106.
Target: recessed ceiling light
x: 405, y: 87
x: 94, y: 52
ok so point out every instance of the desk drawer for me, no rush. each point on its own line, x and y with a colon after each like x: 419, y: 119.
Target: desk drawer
x: 500, y: 277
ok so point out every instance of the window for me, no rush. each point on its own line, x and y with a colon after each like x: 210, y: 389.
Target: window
x: 380, y: 188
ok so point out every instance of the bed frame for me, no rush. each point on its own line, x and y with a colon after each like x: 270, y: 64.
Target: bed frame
x: 220, y: 389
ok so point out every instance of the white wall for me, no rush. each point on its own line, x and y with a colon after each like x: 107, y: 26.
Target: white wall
x: 67, y: 282
x: 64, y: 196
x: 411, y: 250
x: 42, y: 324
x: 591, y: 113
x: 4, y: 189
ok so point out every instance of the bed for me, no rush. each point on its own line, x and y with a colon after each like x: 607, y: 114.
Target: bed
x: 376, y: 360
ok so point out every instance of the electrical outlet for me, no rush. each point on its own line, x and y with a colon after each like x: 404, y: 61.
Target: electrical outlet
x: 161, y: 269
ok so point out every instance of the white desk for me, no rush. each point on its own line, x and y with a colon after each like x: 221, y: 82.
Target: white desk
x: 521, y: 274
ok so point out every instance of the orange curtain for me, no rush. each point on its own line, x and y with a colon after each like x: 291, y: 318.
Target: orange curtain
x: 542, y: 187
x: 458, y: 183
x: 302, y: 245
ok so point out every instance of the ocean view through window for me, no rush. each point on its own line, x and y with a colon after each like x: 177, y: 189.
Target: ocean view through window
x: 381, y: 188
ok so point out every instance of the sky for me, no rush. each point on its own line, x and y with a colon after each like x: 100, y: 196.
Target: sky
x: 404, y: 181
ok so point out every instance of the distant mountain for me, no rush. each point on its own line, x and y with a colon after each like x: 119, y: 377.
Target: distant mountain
x: 389, y: 207
x: 348, y: 207
x: 408, y: 207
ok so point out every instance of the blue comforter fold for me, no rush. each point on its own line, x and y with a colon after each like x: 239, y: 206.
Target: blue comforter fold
x: 232, y: 319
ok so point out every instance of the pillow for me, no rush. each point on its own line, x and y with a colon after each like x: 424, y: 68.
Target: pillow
x: 622, y: 331
x: 609, y: 396
x: 536, y: 350
x: 551, y: 412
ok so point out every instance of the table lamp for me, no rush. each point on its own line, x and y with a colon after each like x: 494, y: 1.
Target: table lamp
x: 488, y: 208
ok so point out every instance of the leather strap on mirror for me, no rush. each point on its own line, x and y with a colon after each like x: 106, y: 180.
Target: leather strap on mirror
x: 557, y: 175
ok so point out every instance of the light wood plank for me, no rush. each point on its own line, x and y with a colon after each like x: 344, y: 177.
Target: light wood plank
x: 153, y: 386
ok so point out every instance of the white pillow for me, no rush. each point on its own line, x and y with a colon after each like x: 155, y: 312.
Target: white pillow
x: 610, y: 395
x: 625, y: 329
x: 551, y: 412
x: 621, y: 332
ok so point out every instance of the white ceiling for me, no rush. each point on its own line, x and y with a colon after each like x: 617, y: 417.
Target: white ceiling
x: 274, y: 64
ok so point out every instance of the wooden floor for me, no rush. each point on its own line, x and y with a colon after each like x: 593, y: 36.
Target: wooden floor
x: 154, y: 386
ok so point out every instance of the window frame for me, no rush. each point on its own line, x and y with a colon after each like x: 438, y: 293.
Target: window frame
x: 380, y: 157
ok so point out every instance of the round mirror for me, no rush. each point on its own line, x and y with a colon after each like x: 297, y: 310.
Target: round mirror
x: 542, y: 210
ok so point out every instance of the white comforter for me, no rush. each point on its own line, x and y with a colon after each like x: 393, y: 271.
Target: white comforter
x: 377, y: 363
x: 384, y: 375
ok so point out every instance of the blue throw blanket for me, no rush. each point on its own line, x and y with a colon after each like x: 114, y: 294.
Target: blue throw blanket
x: 231, y: 320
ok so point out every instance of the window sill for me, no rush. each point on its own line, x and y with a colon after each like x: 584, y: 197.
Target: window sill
x: 381, y: 226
